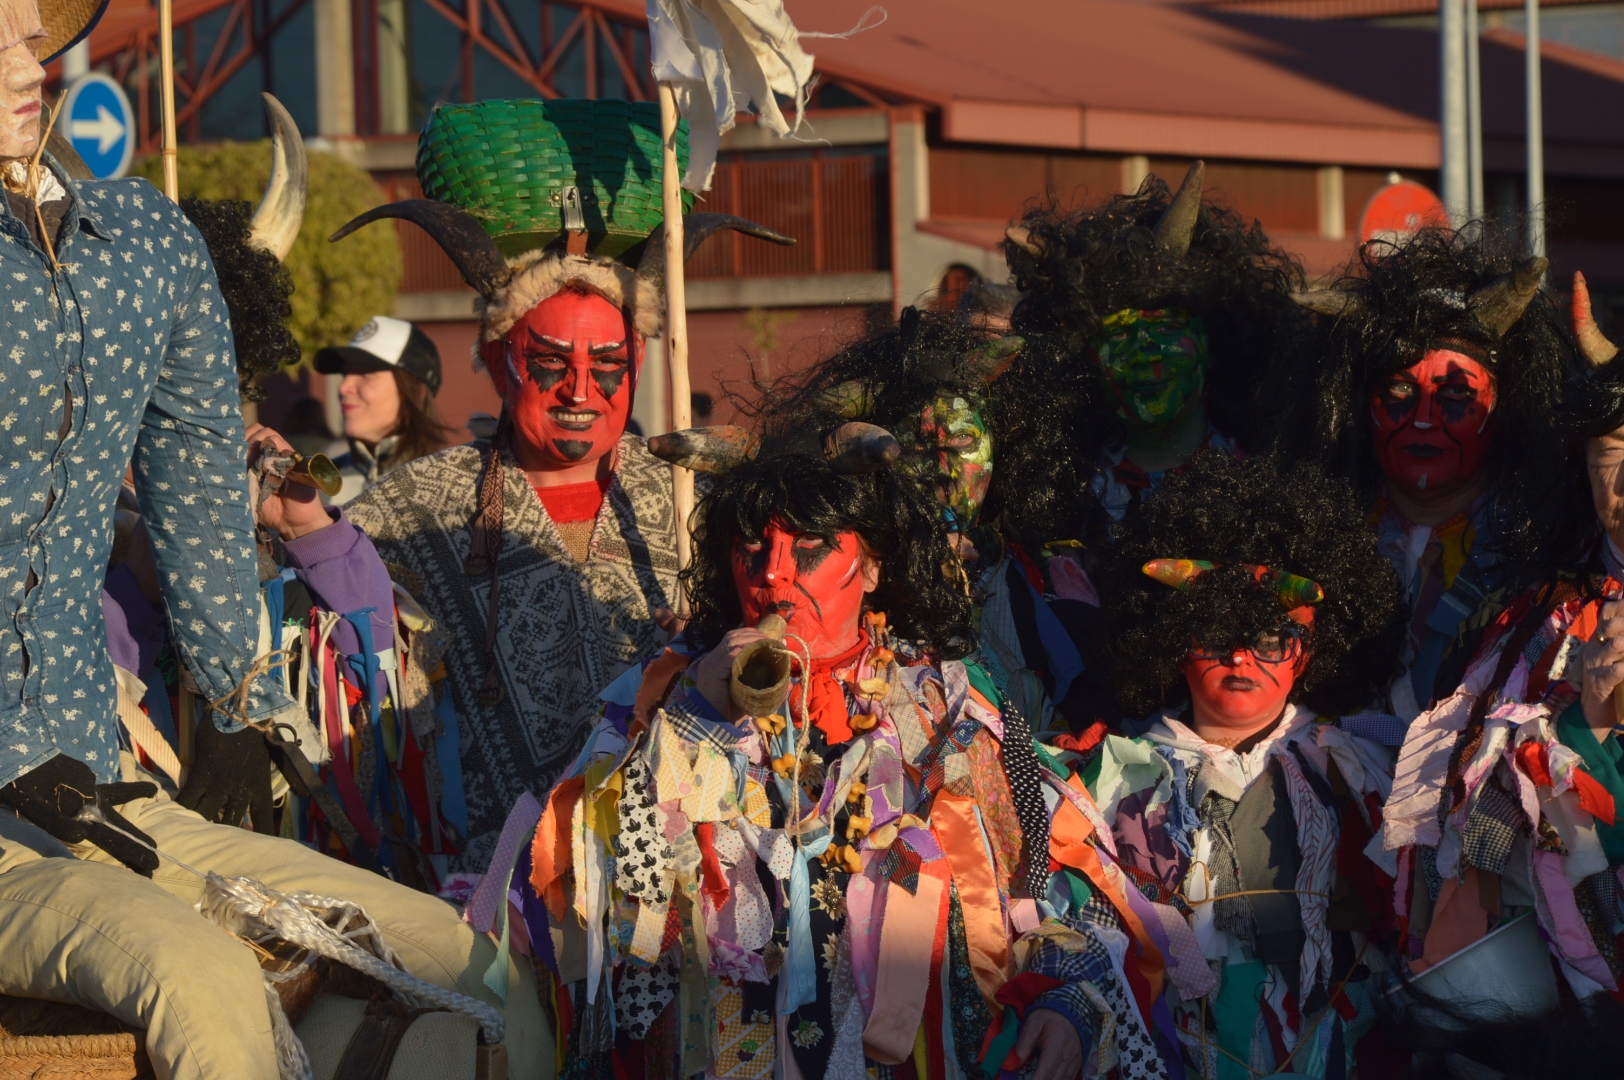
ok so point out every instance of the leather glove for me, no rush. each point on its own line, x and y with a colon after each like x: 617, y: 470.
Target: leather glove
x: 52, y: 795
x: 230, y: 776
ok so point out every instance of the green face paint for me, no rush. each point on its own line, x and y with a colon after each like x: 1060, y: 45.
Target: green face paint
x: 951, y: 449
x: 1155, y: 363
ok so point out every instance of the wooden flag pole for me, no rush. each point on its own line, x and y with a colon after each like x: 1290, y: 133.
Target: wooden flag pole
x: 676, y: 322
x: 166, y: 59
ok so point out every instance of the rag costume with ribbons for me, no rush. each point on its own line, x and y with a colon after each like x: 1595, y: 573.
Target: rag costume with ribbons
x: 844, y: 870
x: 1433, y: 375
x: 1246, y: 586
x: 547, y: 589
x: 100, y: 868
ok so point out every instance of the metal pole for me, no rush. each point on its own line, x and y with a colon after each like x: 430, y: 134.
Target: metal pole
x: 166, y: 60
x: 1453, y: 164
x: 1474, y: 113
x: 676, y: 322
x: 1536, y: 133
x: 76, y: 63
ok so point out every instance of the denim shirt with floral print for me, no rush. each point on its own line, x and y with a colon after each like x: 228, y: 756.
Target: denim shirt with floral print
x: 123, y: 351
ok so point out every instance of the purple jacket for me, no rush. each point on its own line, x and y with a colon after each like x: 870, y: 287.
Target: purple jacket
x: 343, y: 572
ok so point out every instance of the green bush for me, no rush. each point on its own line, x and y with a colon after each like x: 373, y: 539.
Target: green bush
x: 336, y: 287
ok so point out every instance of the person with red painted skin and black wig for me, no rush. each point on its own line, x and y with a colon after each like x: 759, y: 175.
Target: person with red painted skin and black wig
x: 1431, y: 381
x: 1245, y: 602
x: 860, y: 858
x: 546, y: 552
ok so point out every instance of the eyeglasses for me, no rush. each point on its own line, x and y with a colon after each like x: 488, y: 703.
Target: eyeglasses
x: 1274, y: 646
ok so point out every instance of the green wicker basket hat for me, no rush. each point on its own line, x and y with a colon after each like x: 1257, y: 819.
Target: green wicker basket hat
x: 525, y: 169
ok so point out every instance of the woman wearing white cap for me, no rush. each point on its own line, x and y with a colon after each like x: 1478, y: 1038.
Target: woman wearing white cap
x: 391, y: 373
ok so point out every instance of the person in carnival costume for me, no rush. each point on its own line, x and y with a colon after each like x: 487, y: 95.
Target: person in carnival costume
x: 545, y: 552
x: 1151, y: 321
x: 929, y: 379
x: 1244, y: 603
x: 823, y: 809
x: 1431, y: 383
x: 100, y: 869
x: 1506, y: 796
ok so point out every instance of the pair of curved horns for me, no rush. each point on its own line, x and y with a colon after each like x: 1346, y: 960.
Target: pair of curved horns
x: 853, y: 447
x: 275, y: 225
x: 1592, y: 342
x: 1292, y: 590
x: 483, y: 266
x: 984, y: 365
x: 1497, y: 306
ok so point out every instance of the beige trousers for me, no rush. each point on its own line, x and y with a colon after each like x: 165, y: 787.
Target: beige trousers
x: 77, y: 926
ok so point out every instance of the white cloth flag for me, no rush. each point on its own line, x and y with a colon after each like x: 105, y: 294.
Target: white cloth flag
x: 722, y: 57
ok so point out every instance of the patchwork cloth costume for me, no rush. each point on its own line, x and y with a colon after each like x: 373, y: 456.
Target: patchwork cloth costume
x: 1259, y: 985
x: 1505, y: 800
x: 546, y: 602
x: 882, y: 933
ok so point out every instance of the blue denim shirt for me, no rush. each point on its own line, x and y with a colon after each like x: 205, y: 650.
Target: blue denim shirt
x: 124, y: 351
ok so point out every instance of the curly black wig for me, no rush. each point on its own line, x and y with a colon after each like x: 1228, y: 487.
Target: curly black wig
x: 897, y: 520
x: 1257, y: 512
x: 255, y: 286
x: 891, y: 376
x: 1079, y: 267
x: 1406, y: 300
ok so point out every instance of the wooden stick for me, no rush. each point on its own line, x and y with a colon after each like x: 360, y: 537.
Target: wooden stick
x: 166, y: 59
x: 676, y: 323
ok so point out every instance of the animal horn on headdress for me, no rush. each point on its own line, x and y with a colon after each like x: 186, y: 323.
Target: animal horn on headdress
x: 1021, y: 237
x: 459, y: 234
x: 1332, y: 302
x: 1177, y: 223
x: 1499, y: 304
x: 1592, y: 342
x: 985, y: 363
x: 851, y: 399
x: 281, y: 210
x: 696, y: 229
x: 856, y: 447
x: 718, y: 450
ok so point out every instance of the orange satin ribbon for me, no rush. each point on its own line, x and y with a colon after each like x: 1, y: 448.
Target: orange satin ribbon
x: 550, y: 851
x: 902, y: 983
x: 1068, y: 845
x: 953, y: 820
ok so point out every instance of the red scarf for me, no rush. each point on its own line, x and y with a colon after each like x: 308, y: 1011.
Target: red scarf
x: 826, y: 699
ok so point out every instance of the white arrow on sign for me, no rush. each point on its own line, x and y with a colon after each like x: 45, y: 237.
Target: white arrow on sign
x: 105, y: 129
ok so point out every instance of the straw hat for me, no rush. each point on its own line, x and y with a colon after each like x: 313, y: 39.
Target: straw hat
x: 67, y: 22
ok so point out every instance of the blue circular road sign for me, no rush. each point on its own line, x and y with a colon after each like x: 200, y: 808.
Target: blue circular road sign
x: 98, y: 121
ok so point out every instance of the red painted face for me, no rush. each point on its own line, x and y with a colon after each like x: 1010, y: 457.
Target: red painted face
x: 1241, y: 686
x: 567, y: 370
x: 817, y: 585
x: 1432, y: 421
